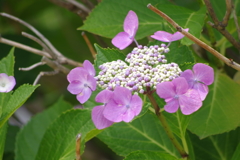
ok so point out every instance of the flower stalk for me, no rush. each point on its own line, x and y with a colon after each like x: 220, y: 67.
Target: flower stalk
x: 166, y: 127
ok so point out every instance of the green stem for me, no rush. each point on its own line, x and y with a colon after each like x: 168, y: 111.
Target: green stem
x: 166, y: 127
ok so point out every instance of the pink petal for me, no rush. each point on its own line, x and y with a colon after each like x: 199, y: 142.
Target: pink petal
x: 91, y: 82
x: 181, y: 85
x: 136, y: 104
x: 131, y: 24
x: 114, y: 112
x: 78, y: 73
x: 127, y: 116
x: 84, y: 95
x: 203, y: 73
x: 202, y: 90
x: 171, y: 106
x: 188, y: 75
x: 75, y: 87
x: 6, y: 82
x: 177, y: 35
x: 122, y: 95
x: 166, y: 90
x: 89, y: 67
x: 162, y: 36
x: 190, y: 102
x: 98, y: 119
x: 104, y: 96
x: 122, y: 40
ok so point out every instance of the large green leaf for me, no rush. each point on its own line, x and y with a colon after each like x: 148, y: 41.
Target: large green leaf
x: 7, y: 64
x: 180, y: 54
x: 29, y: 138
x: 149, y: 155
x: 15, y: 101
x: 220, y: 111
x: 60, y: 137
x: 236, y: 155
x: 3, y: 131
x: 107, y: 55
x: 144, y: 133
x: 107, y: 18
x: 217, y: 147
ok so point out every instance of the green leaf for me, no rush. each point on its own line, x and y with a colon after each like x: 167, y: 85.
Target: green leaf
x: 178, y: 123
x: 29, y: 138
x: 107, y: 18
x: 12, y: 132
x: 236, y: 155
x: 217, y: 147
x: 107, y: 55
x: 149, y: 155
x: 16, y: 100
x: 220, y: 111
x: 179, y: 54
x: 3, y: 131
x: 60, y: 137
x: 144, y: 133
x: 7, y: 64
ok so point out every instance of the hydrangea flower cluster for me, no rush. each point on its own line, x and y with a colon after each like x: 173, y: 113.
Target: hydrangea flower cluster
x: 7, y: 83
x: 144, y: 71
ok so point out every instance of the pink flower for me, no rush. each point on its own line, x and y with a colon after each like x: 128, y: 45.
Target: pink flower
x: 82, y: 81
x: 97, y: 113
x: 199, y: 79
x: 168, y: 37
x: 123, y: 106
x: 177, y: 94
x: 6, y: 82
x: 124, y: 39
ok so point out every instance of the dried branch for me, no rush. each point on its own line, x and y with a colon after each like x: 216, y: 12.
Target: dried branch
x: 59, y: 57
x: 88, y: 3
x: 228, y: 12
x: 51, y: 73
x: 220, y: 26
x: 80, y: 6
x: 40, y: 43
x: 70, y: 7
x: 236, y: 22
x: 94, y: 54
x: 24, y: 47
x: 78, y: 146
x: 32, y: 66
x: 196, y: 40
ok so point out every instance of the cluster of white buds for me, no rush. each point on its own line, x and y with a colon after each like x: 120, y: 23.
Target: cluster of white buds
x: 146, y: 69
x: 152, y: 55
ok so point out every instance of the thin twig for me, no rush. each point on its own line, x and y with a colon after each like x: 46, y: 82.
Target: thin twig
x: 88, y: 3
x: 32, y: 66
x: 211, y: 12
x: 220, y: 26
x: 78, y: 146
x: 70, y: 7
x: 94, y: 54
x: 45, y: 40
x: 236, y: 22
x: 60, y: 57
x: 228, y: 12
x: 24, y: 47
x: 40, y: 43
x: 51, y: 73
x: 55, y: 65
x: 79, y: 5
x: 194, y: 39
